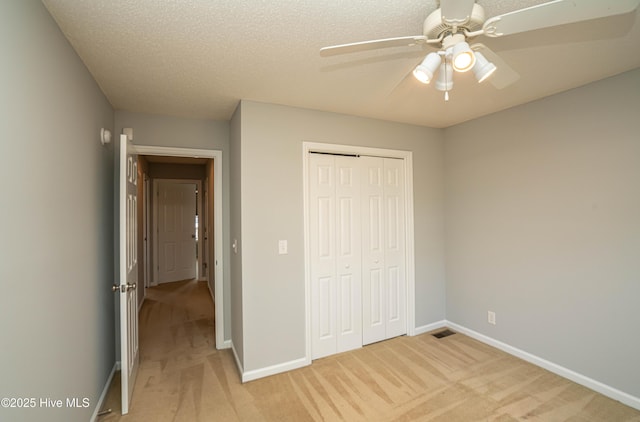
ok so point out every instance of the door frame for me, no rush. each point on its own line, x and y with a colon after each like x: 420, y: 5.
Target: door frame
x: 146, y: 233
x: 407, y: 156
x: 218, y: 194
x: 143, y: 241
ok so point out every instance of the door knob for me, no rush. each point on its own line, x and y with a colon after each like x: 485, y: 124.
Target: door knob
x: 124, y: 288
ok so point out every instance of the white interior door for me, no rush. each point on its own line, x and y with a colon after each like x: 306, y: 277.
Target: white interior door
x: 176, y: 231
x: 335, y: 254
x: 383, y: 245
x: 128, y: 180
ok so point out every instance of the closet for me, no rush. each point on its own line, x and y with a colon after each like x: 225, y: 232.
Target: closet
x: 357, y: 251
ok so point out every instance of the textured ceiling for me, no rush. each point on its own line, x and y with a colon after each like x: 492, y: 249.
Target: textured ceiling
x: 198, y: 58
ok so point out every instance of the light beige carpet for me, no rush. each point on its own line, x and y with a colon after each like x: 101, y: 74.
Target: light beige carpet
x: 183, y: 378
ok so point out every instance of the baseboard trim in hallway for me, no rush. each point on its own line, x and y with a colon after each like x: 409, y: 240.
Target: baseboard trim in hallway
x: 103, y: 395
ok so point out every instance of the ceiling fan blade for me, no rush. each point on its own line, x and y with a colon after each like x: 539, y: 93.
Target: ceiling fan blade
x: 504, y: 75
x: 553, y: 13
x: 456, y: 12
x: 373, y: 45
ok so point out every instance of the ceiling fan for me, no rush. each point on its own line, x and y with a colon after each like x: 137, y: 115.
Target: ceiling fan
x: 455, y: 23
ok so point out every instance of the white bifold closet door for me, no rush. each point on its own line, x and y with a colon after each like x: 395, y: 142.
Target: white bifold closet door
x: 384, y: 283
x: 336, y: 296
x: 357, y: 232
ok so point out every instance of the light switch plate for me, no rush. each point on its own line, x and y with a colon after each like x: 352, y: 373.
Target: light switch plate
x: 282, y: 247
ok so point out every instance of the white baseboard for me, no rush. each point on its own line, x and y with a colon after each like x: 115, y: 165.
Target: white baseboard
x: 213, y: 297
x: 238, y: 362
x: 104, y: 393
x: 225, y: 345
x: 583, y: 380
x: 274, y: 369
x: 430, y: 327
x: 269, y: 370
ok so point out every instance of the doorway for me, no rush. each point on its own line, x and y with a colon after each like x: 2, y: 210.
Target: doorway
x: 210, y: 231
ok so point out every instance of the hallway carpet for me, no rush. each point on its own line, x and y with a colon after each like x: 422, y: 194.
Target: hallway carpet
x: 182, y: 377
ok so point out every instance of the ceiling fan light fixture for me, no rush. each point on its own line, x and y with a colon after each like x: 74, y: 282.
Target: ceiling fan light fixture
x: 463, y: 58
x: 424, y: 71
x: 483, y: 67
x: 445, y: 77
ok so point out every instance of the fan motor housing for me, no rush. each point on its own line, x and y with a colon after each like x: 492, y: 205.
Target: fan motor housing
x: 435, y: 26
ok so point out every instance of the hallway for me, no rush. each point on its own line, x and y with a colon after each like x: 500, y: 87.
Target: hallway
x: 178, y: 358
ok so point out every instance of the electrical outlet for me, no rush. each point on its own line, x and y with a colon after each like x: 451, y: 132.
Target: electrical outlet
x: 491, y: 317
x: 283, y: 248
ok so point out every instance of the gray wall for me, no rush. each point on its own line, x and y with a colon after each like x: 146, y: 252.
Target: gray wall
x: 56, y: 220
x: 543, y: 227
x: 168, y: 131
x: 272, y: 209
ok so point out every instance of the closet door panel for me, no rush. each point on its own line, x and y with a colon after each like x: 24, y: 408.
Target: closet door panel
x: 394, y: 248
x: 323, y: 255
x: 336, y: 276
x: 373, y: 245
x: 348, y: 254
